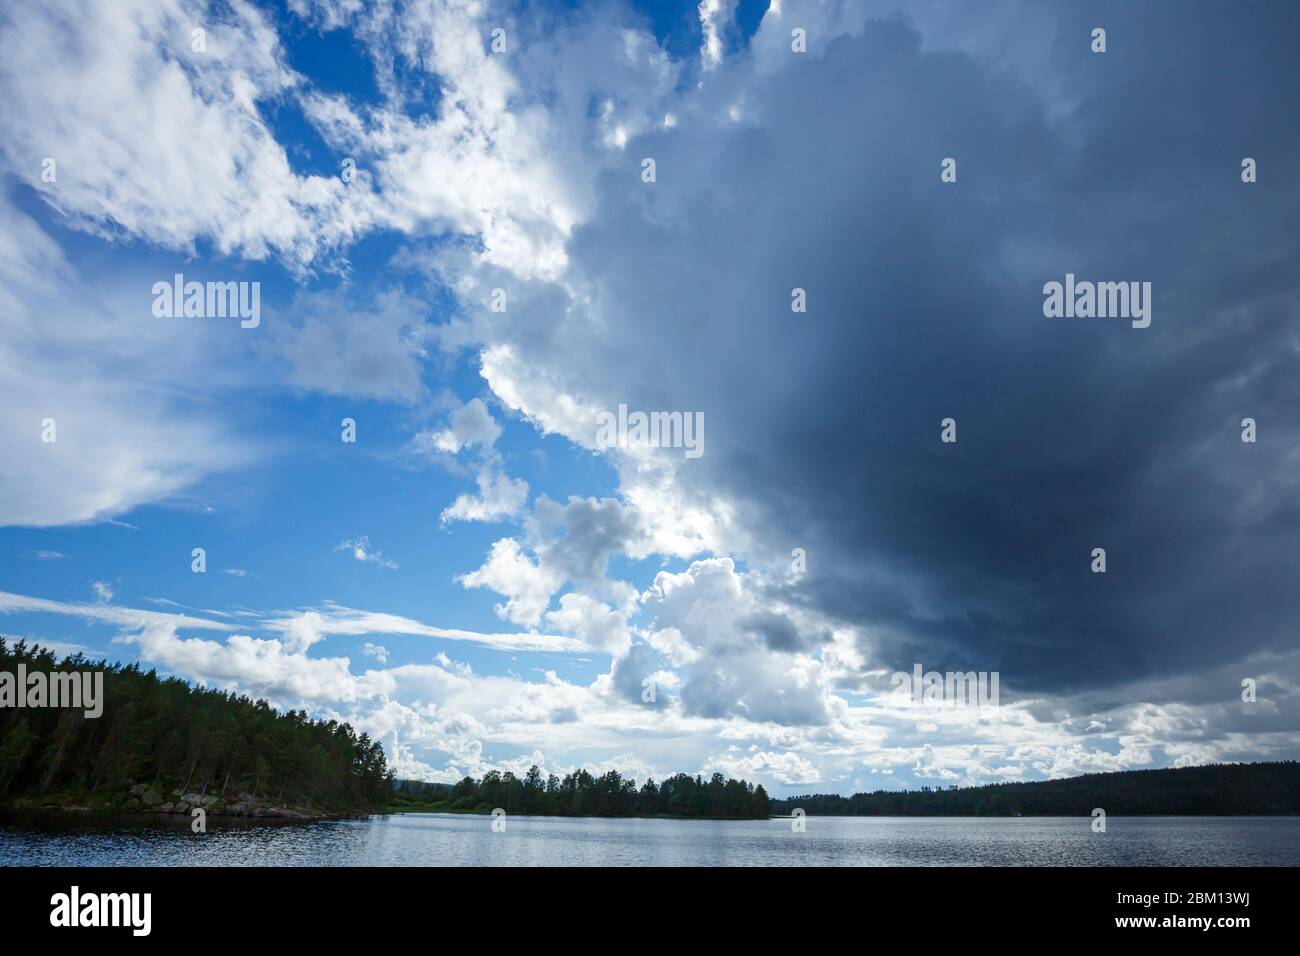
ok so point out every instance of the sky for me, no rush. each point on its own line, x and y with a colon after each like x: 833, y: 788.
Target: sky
x: 462, y: 262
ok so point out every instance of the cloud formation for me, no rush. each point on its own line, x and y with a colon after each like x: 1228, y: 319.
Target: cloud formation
x: 522, y: 172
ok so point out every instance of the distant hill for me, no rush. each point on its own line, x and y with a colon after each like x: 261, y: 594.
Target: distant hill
x: 1252, y: 789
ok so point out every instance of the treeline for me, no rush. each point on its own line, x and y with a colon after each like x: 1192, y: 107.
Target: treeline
x: 1215, y: 789
x: 580, y: 794
x: 167, y: 734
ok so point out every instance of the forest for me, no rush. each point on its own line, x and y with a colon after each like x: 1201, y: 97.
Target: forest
x: 1215, y: 789
x: 160, y: 736
x: 581, y: 794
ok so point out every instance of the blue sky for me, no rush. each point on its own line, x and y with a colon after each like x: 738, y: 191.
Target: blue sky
x: 480, y: 582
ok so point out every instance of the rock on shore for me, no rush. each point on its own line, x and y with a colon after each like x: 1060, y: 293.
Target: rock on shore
x: 144, y: 798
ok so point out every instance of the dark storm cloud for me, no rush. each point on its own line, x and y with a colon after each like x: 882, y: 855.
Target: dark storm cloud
x: 925, y: 301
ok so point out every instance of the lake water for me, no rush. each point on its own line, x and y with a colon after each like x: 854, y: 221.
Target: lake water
x: 436, y: 839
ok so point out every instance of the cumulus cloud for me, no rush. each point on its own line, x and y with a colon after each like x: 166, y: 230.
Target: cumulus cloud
x: 594, y: 623
x: 712, y: 610
x: 499, y: 497
x: 526, y: 584
x: 471, y: 424
x: 577, y: 539
x: 940, y: 296
x: 788, y: 768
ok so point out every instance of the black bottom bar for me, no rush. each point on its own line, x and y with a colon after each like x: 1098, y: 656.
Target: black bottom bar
x: 230, y: 907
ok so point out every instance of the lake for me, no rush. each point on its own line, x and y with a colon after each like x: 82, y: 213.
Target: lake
x: 437, y: 839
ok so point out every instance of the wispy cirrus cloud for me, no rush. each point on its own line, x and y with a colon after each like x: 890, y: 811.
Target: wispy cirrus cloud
x: 300, y: 629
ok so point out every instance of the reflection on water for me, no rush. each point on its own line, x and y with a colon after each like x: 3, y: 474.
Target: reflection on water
x: 436, y: 839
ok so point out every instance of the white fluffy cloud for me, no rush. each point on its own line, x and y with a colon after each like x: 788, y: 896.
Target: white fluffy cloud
x: 593, y: 622
x: 499, y: 496
x: 744, y: 659
x: 471, y: 424
x: 526, y: 585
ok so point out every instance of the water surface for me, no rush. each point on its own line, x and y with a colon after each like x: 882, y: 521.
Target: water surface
x: 436, y: 839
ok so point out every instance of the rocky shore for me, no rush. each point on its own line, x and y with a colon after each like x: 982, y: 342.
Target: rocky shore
x: 146, y: 798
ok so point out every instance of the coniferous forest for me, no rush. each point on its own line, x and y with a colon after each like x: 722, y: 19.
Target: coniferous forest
x: 160, y: 743
x: 580, y: 794
x: 1271, y: 789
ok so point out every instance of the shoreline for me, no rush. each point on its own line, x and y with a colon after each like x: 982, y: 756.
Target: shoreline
x: 271, y: 814
x: 143, y: 800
